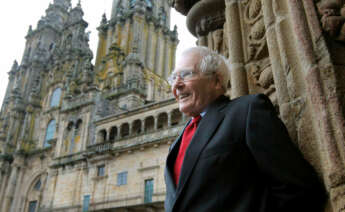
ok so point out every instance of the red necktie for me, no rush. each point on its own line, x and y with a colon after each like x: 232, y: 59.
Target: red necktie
x: 186, y: 138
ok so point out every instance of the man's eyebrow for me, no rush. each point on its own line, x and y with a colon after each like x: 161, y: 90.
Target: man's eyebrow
x: 185, y: 69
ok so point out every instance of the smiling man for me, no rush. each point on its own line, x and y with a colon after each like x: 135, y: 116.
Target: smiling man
x: 234, y: 155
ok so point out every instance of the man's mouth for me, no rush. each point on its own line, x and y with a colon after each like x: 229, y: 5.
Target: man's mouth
x: 183, y: 96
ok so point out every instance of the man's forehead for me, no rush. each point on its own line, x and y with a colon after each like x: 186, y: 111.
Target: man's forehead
x: 185, y: 68
x: 187, y: 62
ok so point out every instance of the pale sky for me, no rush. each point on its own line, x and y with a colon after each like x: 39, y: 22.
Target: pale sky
x: 17, y: 15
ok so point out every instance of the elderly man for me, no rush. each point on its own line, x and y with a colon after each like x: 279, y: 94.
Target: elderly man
x: 234, y: 155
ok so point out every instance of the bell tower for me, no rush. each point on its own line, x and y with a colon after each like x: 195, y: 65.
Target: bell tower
x: 136, y: 52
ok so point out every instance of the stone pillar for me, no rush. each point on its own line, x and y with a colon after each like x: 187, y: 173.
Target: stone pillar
x: 130, y: 130
x: 149, y: 46
x: 275, y: 21
x: 4, y: 172
x: 328, y: 119
x: 166, y: 63
x: 160, y: 54
x: 169, y: 118
x: 117, y: 34
x: 108, y: 134
x: 109, y: 38
x: 10, y: 189
x: 155, y: 123
x: 239, y: 84
x: 3, y: 183
x: 141, y: 125
x: 125, y: 37
x: 18, y: 193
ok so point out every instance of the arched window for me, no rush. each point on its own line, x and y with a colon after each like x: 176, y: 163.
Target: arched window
x: 55, y: 98
x: 50, y: 132
x: 124, y: 130
x: 102, y: 136
x: 136, y: 129
x: 34, y: 194
x: 176, y: 117
x: 162, y: 121
x: 113, y: 133
x: 38, y: 184
x: 149, y: 124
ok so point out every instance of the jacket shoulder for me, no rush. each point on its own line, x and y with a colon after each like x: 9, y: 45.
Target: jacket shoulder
x: 244, y: 101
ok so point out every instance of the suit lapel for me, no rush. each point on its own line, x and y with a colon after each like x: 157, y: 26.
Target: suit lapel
x: 210, y: 122
x: 171, y: 159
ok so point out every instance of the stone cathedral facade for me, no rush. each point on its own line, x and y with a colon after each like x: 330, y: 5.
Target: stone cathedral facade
x: 81, y: 137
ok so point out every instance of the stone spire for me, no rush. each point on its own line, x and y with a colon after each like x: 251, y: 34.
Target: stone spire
x: 77, y: 13
x: 65, y: 4
x: 14, y: 68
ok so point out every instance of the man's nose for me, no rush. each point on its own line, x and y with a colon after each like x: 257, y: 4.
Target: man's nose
x: 178, y: 82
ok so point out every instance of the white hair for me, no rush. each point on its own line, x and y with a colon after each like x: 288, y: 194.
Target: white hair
x: 212, y: 62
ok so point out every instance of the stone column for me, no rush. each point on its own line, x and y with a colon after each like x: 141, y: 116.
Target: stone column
x: 328, y: 119
x: 160, y: 54
x: 18, y: 193
x: 172, y: 56
x: 155, y: 123
x: 10, y: 188
x: 141, y: 125
x: 130, y: 130
x: 108, y: 134
x: 109, y: 38
x: 239, y: 84
x: 275, y: 21
x: 150, y: 46
x: 4, y: 171
x: 3, y: 188
x: 166, y: 63
x: 125, y: 36
x: 169, y: 118
x: 2, y: 174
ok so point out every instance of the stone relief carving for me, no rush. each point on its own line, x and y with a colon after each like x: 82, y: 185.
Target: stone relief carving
x: 333, y: 18
x: 257, y: 46
x: 215, y: 40
x: 263, y: 77
x: 257, y: 50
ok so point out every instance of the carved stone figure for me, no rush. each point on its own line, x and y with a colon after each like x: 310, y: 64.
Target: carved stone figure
x: 333, y: 18
x: 257, y: 46
x: 263, y: 77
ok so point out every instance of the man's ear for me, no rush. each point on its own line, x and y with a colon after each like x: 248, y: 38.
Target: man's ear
x: 218, y: 82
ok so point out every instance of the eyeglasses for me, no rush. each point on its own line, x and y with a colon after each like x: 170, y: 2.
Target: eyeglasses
x: 184, y: 75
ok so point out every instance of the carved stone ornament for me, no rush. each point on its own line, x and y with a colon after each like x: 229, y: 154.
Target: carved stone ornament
x: 263, y: 77
x: 333, y: 18
x: 206, y: 16
x: 257, y: 46
x: 215, y: 40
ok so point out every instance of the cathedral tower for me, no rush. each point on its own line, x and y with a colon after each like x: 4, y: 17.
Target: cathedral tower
x: 136, y: 51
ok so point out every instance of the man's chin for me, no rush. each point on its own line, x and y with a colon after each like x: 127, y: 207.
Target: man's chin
x: 187, y: 110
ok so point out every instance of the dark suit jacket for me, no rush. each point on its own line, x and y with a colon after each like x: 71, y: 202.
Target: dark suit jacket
x: 241, y: 159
